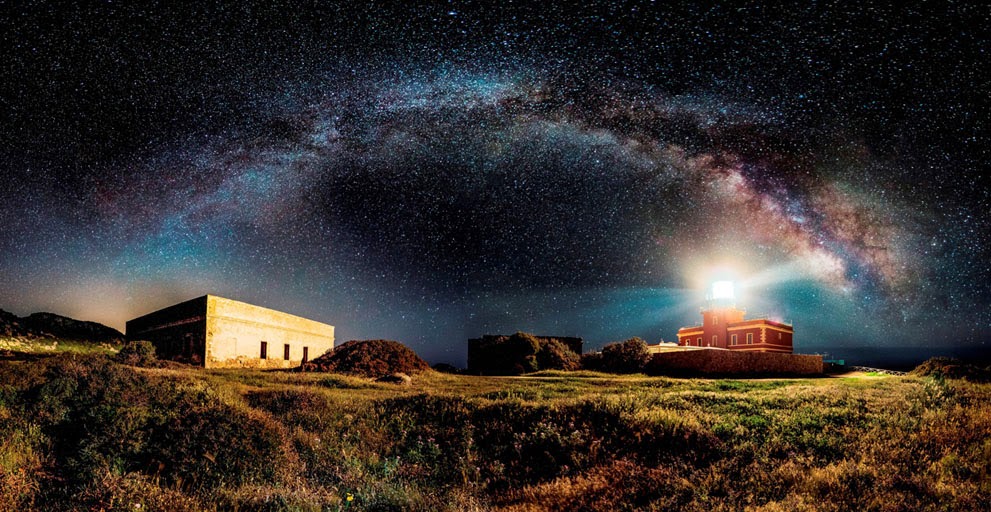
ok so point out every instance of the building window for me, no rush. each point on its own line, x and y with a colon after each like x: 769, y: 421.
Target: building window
x: 306, y: 354
x: 264, y: 350
x: 285, y: 352
x: 714, y: 338
x: 733, y: 340
x: 750, y: 338
x: 779, y: 335
x: 700, y: 342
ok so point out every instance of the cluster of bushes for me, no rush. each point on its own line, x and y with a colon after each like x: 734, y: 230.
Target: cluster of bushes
x: 630, y: 356
x: 520, y: 353
x: 525, y: 353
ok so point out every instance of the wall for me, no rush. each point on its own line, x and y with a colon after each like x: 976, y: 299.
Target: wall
x: 178, y: 332
x: 714, y: 324
x: 765, y: 336
x: 726, y: 362
x: 235, y: 331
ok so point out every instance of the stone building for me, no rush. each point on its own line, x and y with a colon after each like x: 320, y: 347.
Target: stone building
x: 222, y: 333
x: 725, y: 326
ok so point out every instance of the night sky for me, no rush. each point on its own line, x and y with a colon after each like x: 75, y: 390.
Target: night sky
x: 433, y: 172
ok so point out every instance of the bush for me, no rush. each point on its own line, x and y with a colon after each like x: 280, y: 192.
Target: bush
x: 369, y: 358
x: 951, y: 368
x: 214, y: 445
x: 555, y: 355
x: 504, y: 355
x: 520, y: 353
x: 137, y: 353
x: 630, y: 356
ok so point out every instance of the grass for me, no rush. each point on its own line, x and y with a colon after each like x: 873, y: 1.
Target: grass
x: 80, y: 432
x: 27, y: 347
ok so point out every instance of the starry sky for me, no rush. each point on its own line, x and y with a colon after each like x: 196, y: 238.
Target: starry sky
x: 437, y: 171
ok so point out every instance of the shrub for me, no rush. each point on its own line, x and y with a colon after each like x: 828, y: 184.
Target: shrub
x: 523, y: 347
x: 369, y: 358
x: 555, y: 355
x: 629, y: 356
x: 137, y: 353
x: 214, y: 445
x: 433, y: 435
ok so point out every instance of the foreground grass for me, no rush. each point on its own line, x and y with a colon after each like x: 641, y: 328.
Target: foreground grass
x: 81, y: 432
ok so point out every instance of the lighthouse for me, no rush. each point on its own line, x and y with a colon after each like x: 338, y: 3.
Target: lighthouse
x: 725, y: 326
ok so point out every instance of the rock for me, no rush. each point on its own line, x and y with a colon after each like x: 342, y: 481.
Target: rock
x: 396, y: 378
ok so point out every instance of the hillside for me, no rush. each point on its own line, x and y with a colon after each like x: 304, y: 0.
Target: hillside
x: 44, y: 333
x: 50, y: 325
x: 192, y: 439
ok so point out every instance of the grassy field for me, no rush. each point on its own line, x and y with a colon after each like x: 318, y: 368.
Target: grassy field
x: 79, y: 431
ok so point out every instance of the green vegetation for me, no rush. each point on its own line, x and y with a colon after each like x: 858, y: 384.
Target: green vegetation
x: 953, y: 368
x: 522, y: 353
x: 137, y: 353
x: 630, y: 356
x: 27, y: 347
x: 84, y: 432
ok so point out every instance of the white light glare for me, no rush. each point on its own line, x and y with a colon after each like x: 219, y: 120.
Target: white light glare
x: 723, y: 290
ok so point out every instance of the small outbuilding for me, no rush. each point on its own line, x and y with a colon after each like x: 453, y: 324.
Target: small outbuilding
x: 222, y: 333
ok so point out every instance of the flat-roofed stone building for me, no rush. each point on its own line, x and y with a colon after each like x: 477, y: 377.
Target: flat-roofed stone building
x: 222, y: 333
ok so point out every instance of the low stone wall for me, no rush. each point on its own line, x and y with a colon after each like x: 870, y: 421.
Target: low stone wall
x: 725, y: 362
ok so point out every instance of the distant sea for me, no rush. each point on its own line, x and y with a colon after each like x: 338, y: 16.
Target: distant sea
x: 899, y: 358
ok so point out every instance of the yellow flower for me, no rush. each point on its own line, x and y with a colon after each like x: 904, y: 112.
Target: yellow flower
x: 349, y: 497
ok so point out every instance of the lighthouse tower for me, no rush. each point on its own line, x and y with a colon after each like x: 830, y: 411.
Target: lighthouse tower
x: 719, y: 312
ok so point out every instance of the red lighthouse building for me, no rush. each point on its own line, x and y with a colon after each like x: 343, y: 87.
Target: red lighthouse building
x: 725, y: 326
